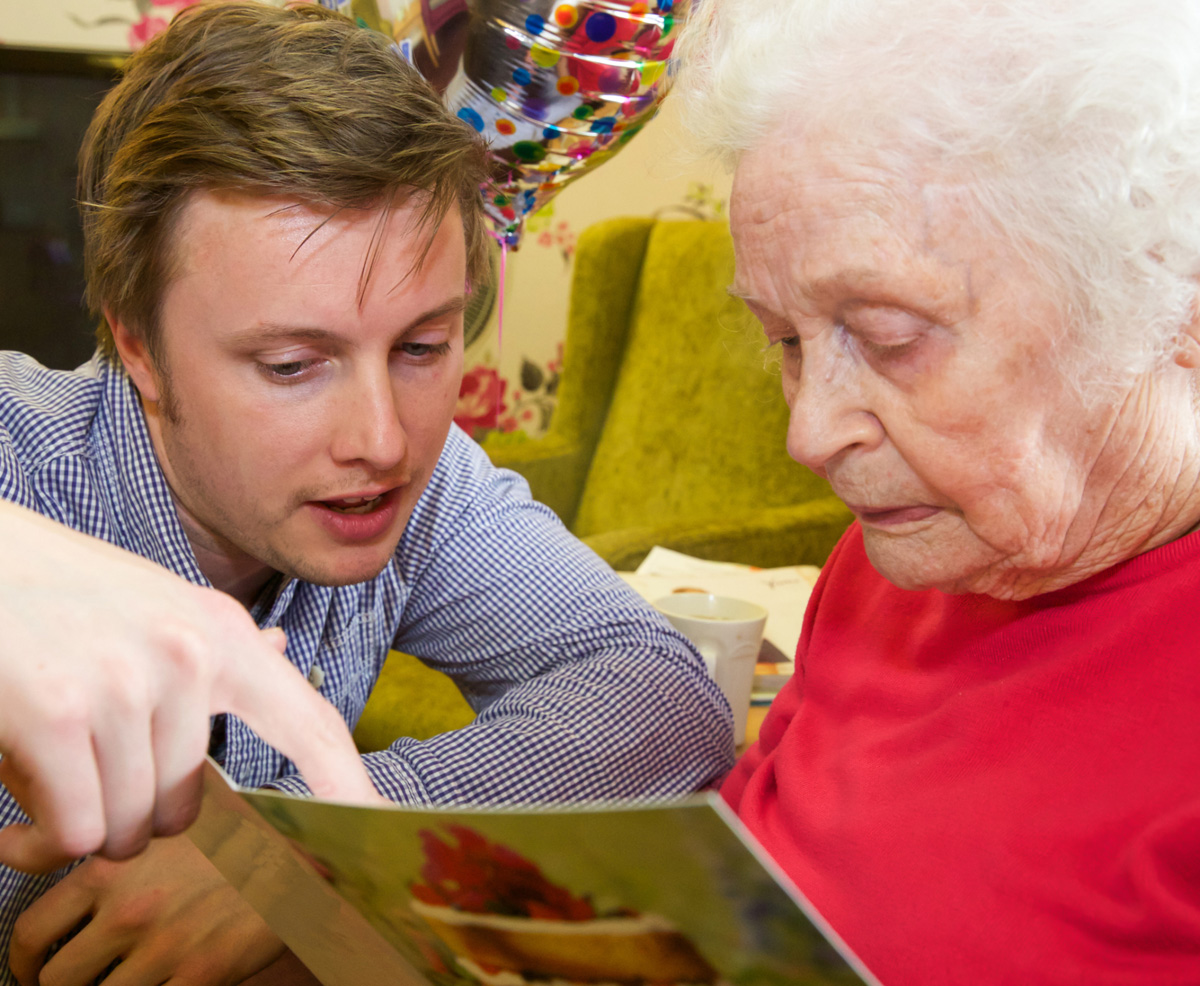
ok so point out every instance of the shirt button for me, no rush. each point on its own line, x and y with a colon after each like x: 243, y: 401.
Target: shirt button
x: 316, y: 677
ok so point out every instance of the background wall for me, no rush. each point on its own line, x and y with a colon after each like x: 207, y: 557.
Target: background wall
x: 88, y: 25
x: 511, y: 375
x: 511, y: 378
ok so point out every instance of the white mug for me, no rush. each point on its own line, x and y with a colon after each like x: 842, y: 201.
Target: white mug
x: 728, y: 633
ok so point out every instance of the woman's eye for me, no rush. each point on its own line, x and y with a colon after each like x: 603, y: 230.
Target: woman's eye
x: 889, y: 350
x: 882, y: 336
x: 789, y: 347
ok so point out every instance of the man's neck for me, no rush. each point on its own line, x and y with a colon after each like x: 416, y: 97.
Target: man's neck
x: 224, y: 565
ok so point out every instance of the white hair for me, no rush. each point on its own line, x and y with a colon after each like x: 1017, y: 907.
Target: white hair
x: 1075, y: 122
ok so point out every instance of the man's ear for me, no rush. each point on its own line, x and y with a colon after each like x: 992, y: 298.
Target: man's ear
x: 135, y: 357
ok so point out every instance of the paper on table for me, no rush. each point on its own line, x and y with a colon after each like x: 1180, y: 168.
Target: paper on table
x: 783, y: 591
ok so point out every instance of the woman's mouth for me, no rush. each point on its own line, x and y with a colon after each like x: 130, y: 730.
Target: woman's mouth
x: 893, y: 516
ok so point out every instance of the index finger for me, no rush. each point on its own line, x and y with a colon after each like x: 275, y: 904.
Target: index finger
x: 275, y: 700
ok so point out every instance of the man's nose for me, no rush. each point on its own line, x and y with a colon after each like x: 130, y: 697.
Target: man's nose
x: 828, y: 412
x: 369, y: 429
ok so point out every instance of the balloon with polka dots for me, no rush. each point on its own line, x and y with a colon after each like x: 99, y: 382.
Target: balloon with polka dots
x: 556, y: 87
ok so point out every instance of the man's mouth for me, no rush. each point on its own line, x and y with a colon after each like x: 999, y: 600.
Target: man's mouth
x: 355, y: 504
x: 364, y: 517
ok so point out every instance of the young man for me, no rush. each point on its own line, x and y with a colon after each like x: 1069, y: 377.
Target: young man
x: 282, y: 223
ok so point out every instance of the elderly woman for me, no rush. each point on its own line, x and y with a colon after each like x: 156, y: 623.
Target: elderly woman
x: 973, y: 230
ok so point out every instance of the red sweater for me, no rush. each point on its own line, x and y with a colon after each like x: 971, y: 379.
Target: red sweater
x: 984, y: 792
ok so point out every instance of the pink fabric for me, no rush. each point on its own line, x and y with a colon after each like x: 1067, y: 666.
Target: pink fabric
x: 975, y: 791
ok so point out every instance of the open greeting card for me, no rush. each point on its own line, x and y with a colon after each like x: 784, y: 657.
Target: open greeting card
x: 665, y: 895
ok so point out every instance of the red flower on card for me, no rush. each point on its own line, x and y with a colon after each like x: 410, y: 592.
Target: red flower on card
x: 482, y: 877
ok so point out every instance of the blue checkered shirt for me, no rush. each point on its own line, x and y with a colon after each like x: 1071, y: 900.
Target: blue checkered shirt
x: 582, y: 691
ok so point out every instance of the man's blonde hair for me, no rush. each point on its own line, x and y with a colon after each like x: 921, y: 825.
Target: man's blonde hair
x: 296, y: 102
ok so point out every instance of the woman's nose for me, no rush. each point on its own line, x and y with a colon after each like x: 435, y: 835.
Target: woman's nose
x: 828, y: 413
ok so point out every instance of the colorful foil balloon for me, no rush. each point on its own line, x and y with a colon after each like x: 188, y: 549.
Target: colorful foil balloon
x: 557, y: 87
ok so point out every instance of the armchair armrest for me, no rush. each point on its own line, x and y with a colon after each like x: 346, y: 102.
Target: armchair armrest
x: 800, y: 534
x: 409, y: 699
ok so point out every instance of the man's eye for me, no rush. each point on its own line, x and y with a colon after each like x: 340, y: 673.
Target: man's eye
x: 425, y: 348
x: 292, y: 368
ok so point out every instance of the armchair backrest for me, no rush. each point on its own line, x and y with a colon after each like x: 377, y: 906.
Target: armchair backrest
x: 608, y: 264
x: 694, y: 426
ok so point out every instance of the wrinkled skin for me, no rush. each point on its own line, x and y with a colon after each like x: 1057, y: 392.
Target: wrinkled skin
x: 920, y: 364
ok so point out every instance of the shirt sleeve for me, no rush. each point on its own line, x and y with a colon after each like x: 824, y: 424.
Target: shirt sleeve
x: 583, y: 692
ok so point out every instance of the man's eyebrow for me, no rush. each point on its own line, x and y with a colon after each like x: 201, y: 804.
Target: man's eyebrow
x: 312, y: 333
x: 455, y: 306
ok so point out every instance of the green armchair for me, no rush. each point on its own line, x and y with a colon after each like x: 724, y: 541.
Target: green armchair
x: 670, y: 427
